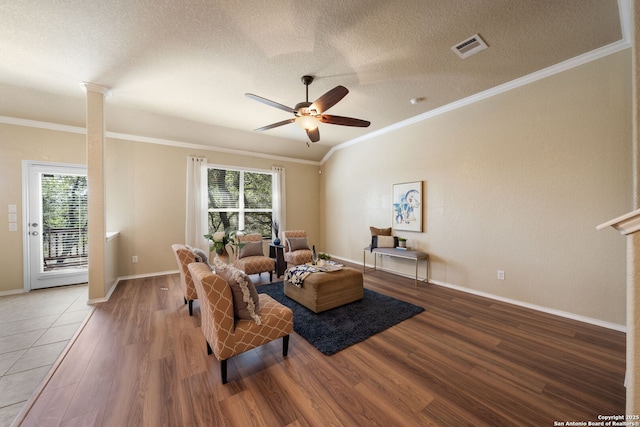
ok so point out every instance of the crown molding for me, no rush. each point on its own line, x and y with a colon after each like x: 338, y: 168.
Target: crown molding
x: 137, y: 138
x: 92, y: 87
x: 41, y: 125
x: 204, y: 147
x: 628, y: 223
x: 624, y: 7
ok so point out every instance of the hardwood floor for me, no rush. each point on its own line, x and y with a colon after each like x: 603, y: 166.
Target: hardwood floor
x: 465, y: 361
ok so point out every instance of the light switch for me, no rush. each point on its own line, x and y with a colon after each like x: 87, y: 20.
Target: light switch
x: 13, y: 218
x: 13, y: 226
x: 13, y: 208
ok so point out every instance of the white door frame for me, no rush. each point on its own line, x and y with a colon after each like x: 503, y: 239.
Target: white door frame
x: 27, y: 165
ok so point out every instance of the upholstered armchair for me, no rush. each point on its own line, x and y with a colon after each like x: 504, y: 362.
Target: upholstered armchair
x: 296, y: 247
x: 250, y: 258
x: 226, y: 333
x: 186, y: 256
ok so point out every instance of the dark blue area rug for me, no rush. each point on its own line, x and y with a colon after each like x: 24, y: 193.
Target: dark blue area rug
x: 336, y: 329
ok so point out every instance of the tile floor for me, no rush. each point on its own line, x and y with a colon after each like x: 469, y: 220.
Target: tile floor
x: 34, y: 329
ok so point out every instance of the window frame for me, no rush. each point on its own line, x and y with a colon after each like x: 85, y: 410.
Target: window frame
x: 241, y: 210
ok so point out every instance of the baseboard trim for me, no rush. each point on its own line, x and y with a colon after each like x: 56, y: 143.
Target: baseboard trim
x: 12, y: 292
x: 141, y: 276
x: 93, y: 301
x: 547, y: 310
x: 542, y: 309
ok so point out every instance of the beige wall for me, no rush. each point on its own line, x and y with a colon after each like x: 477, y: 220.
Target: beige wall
x: 516, y: 182
x: 145, y: 195
x: 17, y: 144
x: 146, y: 199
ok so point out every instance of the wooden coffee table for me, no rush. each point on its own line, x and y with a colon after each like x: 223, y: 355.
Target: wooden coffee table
x: 326, y: 290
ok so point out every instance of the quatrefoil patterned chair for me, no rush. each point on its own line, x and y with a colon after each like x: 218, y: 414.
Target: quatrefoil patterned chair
x: 225, y: 333
x: 186, y: 256
x: 251, y: 259
x: 296, y: 247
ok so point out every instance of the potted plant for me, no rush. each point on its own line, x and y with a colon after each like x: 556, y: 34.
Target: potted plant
x: 220, y: 239
x: 402, y: 242
x: 323, y: 258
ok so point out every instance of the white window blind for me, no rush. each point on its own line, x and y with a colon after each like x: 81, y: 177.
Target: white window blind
x: 240, y: 200
x: 64, y: 221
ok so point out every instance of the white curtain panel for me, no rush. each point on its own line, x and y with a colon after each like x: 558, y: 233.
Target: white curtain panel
x: 279, y: 198
x: 197, y: 206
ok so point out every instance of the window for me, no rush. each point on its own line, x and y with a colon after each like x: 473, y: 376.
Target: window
x: 64, y: 221
x: 240, y: 199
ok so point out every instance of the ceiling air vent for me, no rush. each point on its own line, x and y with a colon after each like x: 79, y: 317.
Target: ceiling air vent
x: 470, y: 46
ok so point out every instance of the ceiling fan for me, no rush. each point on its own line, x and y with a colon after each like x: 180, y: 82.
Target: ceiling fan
x: 308, y: 115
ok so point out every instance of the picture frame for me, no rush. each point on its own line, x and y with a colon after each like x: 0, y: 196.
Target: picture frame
x: 407, y: 206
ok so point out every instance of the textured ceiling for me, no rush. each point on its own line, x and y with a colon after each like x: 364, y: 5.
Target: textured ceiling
x: 178, y: 70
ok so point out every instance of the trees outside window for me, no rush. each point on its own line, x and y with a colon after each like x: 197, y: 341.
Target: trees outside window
x: 240, y: 200
x: 64, y: 221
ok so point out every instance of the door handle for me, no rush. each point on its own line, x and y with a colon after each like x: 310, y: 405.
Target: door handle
x: 34, y: 233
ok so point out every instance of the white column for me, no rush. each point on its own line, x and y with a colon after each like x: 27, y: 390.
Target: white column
x: 96, y: 188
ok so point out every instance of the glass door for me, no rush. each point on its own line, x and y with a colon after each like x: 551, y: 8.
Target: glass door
x: 56, y: 229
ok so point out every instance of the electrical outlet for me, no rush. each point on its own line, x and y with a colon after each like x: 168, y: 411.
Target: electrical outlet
x: 13, y: 226
x: 134, y: 258
x: 500, y: 275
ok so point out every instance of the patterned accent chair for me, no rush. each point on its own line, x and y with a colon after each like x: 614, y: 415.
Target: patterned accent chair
x: 296, y: 256
x: 227, y: 336
x: 185, y: 256
x: 251, y: 259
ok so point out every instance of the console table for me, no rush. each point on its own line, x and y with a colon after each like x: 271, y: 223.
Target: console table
x: 397, y: 253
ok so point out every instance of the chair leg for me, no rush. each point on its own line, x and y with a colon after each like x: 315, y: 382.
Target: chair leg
x: 185, y: 299
x: 223, y: 370
x: 209, y: 351
x: 190, y: 307
x: 285, y: 345
x: 271, y: 276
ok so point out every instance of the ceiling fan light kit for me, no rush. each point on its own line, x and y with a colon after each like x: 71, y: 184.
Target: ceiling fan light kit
x: 308, y: 115
x: 307, y: 122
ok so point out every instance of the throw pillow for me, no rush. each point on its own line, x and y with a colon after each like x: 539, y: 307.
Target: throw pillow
x: 380, y: 231
x: 246, y: 303
x: 200, y: 255
x: 297, y: 243
x: 251, y: 249
x: 384, y: 242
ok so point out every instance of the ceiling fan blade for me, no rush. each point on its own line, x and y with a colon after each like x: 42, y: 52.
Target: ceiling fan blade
x: 330, y: 98
x: 343, y: 121
x: 275, y: 125
x: 314, y: 135
x: 270, y: 102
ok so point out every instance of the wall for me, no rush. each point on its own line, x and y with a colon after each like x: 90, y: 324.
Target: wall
x: 17, y: 144
x: 632, y: 379
x: 146, y: 199
x: 515, y: 182
x: 145, y: 196
x: 110, y: 265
